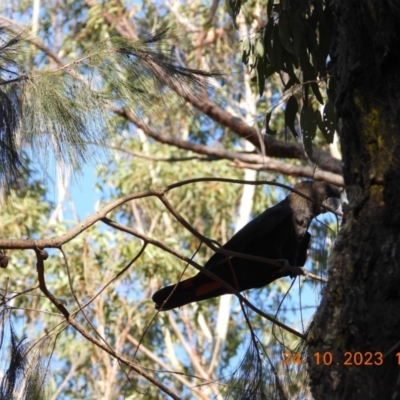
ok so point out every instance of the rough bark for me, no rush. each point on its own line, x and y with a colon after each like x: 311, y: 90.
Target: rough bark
x: 360, y: 310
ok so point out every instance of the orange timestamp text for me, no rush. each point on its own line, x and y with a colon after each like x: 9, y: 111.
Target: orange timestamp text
x: 357, y: 358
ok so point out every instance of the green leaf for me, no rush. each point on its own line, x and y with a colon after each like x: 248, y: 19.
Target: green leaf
x: 325, y: 37
x: 233, y: 9
x: 288, y: 62
x: 268, y: 34
x: 267, y: 128
x: 278, y: 51
x: 259, y: 50
x: 290, y: 114
x: 308, y: 125
x: 291, y: 82
x: 260, y: 72
x: 310, y: 76
x: 246, y: 50
x: 311, y: 38
x: 322, y: 52
x: 330, y: 121
x: 299, y: 42
x: 269, y: 71
x: 321, y: 125
x: 331, y: 90
x: 315, y: 89
x: 284, y: 31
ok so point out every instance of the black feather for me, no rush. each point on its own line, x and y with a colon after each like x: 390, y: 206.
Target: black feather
x: 280, y: 232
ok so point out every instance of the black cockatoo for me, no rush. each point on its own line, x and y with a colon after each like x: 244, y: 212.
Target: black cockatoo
x: 279, y: 233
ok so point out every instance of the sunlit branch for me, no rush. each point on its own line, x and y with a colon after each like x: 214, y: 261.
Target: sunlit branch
x: 91, y: 220
x: 272, y: 147
x: 243, y: 160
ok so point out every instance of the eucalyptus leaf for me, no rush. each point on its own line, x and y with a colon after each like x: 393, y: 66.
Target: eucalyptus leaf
x: 278, y: 51
x: 260, y: 72
x: 308, y: 125
x: 259, y: 48
x: 268, y: 35
x: 322, y: 127
x: 269, y: 131
x: 290, y: 114
x: 285, y: 31
x: 298, y: 34
x: 330, y: 121
x: 246, y: 47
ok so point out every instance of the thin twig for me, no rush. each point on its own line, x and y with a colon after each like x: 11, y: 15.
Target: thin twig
x: 179, y: 376
x: 78, y: 302
x: 203, y: 270
x: 92, y: 219
x: 5, y: 300
x: 254, y: 161
x: 71, y: 321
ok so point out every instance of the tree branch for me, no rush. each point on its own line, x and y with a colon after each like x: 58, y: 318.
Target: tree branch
x: 206, y: 271
x: 92, y: 219
x: 41, y: 256
x: 244, y: 160
x: 273, y: 147
x: 179, y: 375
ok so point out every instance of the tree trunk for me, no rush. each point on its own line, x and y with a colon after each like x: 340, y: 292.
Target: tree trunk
x: 360, y: 310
